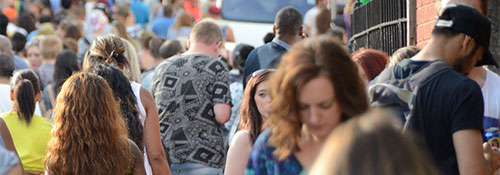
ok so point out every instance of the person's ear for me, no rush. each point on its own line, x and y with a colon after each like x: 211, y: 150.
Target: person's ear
x: 38, y: 96
x: 11, y: 95
x: 188, y: 45
x: 274, y: 30
x: 301, y: 31
x: 468, y: 44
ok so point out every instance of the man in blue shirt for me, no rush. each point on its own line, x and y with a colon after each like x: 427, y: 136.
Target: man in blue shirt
x: 141, y: 12
x: 288, y: 30
x: 160, y: 25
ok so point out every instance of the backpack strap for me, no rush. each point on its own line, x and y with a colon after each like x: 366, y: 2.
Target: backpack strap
x: 408, y: 93
x: 428, y: 72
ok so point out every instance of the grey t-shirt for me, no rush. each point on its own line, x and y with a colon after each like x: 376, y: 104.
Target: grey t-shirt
x: 186, y: 88
x: 46, y: 73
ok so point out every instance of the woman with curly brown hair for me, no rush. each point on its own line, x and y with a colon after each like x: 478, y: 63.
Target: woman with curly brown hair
x: 315, y: 88
x: 89, y: 135
x: 110, y: 49
x: 253, y: 114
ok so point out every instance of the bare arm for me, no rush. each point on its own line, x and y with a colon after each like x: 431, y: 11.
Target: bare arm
x: 229, y: 34
x: 16, y: 170
x: 7, y: 139
x: 222, y: 112
x: 469, y: 151
x: 138, y: 160
x: 238, y: 154
x: 151, y: 135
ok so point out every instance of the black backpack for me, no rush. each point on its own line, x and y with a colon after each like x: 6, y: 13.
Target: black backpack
x: 399, y: 94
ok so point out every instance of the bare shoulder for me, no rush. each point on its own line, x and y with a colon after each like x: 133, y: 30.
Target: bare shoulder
x: 146, y: 97
x: 241, y: 139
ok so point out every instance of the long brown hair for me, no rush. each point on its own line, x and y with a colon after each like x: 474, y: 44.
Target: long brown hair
x: 250, y: 118
x: 89, y: 135
x: 306, y: 60
x: 184, y: 19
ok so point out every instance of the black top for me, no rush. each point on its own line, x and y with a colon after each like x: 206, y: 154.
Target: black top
x: 263, y: 57
x: 449, y: 103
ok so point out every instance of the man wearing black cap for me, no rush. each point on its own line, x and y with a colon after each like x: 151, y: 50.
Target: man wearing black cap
x: 447, y: 110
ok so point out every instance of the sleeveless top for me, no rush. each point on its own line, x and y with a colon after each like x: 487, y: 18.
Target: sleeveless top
x: 136, y: 87
x: 30, y: 140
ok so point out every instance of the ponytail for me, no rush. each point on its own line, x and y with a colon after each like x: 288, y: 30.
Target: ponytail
x: 24, y: 100
x: 25, y: 86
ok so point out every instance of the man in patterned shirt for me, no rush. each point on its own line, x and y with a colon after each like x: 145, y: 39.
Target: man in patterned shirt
x: 193, y: 99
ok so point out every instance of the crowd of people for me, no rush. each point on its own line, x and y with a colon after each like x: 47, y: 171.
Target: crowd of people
x: 132, y: 87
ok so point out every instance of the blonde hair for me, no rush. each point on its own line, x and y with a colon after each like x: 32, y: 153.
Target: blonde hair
x: 373, y: 143
x: 124, y: 55
x: 130, y: 53
x: 206, y: 32
x: 50, y: 46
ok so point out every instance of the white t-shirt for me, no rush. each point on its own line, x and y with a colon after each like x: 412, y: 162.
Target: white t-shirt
x: 491, y: 95
x: 310, y: 19
x: 6, y: 104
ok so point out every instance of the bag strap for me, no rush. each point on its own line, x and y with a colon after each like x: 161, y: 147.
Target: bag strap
x: 51, y: 94
x: 427, y: 72
x: 418, y: 79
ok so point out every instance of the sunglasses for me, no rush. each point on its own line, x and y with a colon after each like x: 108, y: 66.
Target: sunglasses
x: 261, y: 71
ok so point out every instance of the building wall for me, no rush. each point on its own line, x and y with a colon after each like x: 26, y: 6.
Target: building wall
x: 426, y: 17
x: 494, y: 15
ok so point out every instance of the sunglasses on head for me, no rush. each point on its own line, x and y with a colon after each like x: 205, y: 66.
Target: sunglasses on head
x: 258, y: 72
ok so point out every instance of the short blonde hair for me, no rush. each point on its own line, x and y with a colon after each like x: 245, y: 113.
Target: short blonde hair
x: 206, y: 32
x: 50, y: 46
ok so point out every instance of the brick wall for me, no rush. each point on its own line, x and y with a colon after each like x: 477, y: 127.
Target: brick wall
x: 426, y: 17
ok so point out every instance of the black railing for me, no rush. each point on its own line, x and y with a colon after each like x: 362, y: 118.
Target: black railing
x: 379, y: 24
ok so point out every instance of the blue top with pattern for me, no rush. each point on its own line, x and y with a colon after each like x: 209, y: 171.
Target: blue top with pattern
x: 262, y: 161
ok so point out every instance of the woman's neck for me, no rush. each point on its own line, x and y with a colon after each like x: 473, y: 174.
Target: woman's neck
x: 4, y: 80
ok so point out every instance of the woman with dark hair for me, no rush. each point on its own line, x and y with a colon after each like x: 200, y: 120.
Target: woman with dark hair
x: 89, y: 135
x: 30, y: 132
x: 26, y: 21
x: 253, y: 114
x: 18, y: 42
x: 125, y: 98
x: 72, y: 31
x: 66, y: 65
x: 110, y: 49
x: 315, y: 88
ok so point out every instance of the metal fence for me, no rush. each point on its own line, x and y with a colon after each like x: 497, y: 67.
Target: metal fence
x: 380, y: 24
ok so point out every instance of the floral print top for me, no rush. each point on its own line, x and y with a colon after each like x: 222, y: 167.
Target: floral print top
x: 263, y: 162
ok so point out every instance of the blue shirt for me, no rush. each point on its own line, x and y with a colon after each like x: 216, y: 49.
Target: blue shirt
x: 262, y: 160
x: 141, y: 12
x: 160, y: 26
x: 19, y: 63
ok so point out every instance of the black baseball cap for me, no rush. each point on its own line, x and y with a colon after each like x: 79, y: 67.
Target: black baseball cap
x: 469, y: 21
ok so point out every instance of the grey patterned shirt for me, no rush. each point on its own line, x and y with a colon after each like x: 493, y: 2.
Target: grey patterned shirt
x: 186, y: 88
